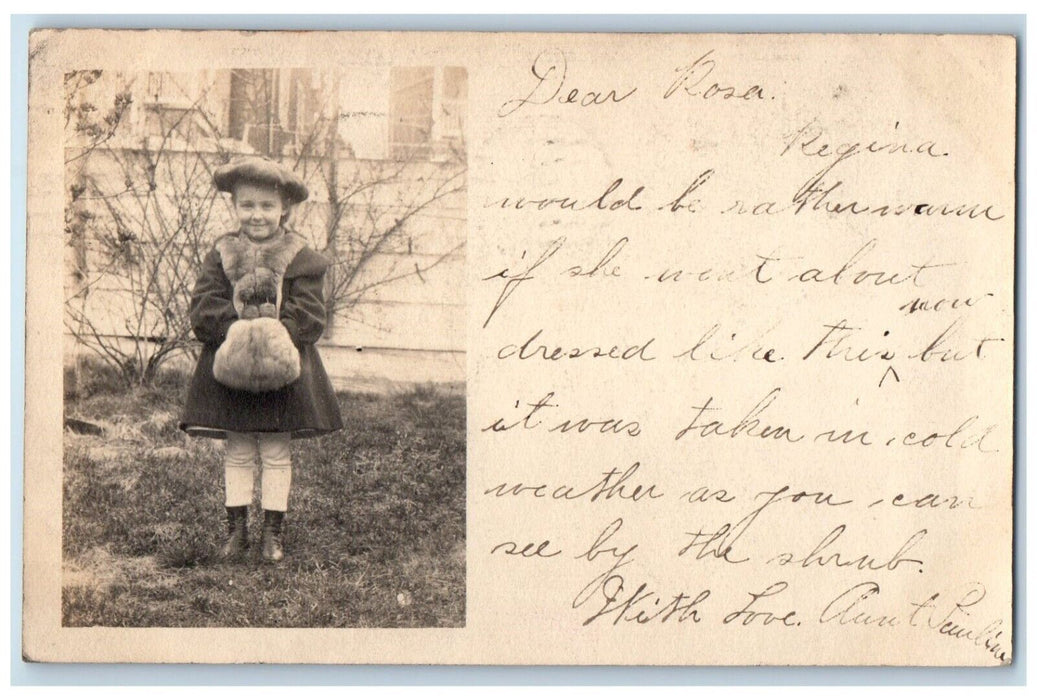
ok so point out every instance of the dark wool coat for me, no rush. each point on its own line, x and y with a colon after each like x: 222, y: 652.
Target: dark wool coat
x: 307, y: 407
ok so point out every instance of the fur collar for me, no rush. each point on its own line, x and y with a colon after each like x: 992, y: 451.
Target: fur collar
x: 240, y: 255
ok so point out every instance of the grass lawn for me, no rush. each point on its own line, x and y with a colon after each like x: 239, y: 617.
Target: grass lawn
x: 374, y: 537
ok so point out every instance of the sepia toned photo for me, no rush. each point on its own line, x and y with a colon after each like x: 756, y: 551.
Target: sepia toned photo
x: 264, y: 348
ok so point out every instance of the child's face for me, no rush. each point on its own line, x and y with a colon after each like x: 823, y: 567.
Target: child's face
x: 259, y: 209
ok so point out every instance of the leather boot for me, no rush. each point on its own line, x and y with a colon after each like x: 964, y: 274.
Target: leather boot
x: 273, y: 549
x: 237, y: 532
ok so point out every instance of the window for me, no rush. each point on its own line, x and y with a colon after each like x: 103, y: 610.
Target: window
x: 453, y: 107
x: 427, y: 108
x: 410, y: 130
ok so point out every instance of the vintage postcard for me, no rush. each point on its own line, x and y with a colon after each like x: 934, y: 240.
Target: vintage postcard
x: 477, y: 348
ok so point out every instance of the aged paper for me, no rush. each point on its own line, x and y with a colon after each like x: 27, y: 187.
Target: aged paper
x: 737, y: 348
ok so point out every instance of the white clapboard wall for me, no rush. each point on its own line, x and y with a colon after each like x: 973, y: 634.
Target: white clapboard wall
x: 410, y: 330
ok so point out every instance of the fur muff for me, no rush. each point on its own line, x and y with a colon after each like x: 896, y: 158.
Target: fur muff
x: 258, y: 355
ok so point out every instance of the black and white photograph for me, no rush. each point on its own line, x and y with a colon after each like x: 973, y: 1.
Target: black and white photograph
x: 264, y: 366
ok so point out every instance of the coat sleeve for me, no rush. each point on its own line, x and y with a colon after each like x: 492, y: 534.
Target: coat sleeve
x: 303, y: 312
x: 212, y: 302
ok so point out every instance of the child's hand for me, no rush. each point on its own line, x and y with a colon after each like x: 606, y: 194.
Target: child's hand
x: 268, y: 310
x: 250, y: 312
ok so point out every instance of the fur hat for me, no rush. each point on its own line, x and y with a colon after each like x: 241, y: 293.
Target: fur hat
x: 262, y: 171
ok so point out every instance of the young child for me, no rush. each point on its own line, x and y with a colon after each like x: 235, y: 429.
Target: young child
x: 258, y: 308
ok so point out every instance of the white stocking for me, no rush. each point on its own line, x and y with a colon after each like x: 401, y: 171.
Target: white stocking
x: 276, y: 457
x: 239, y: 463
